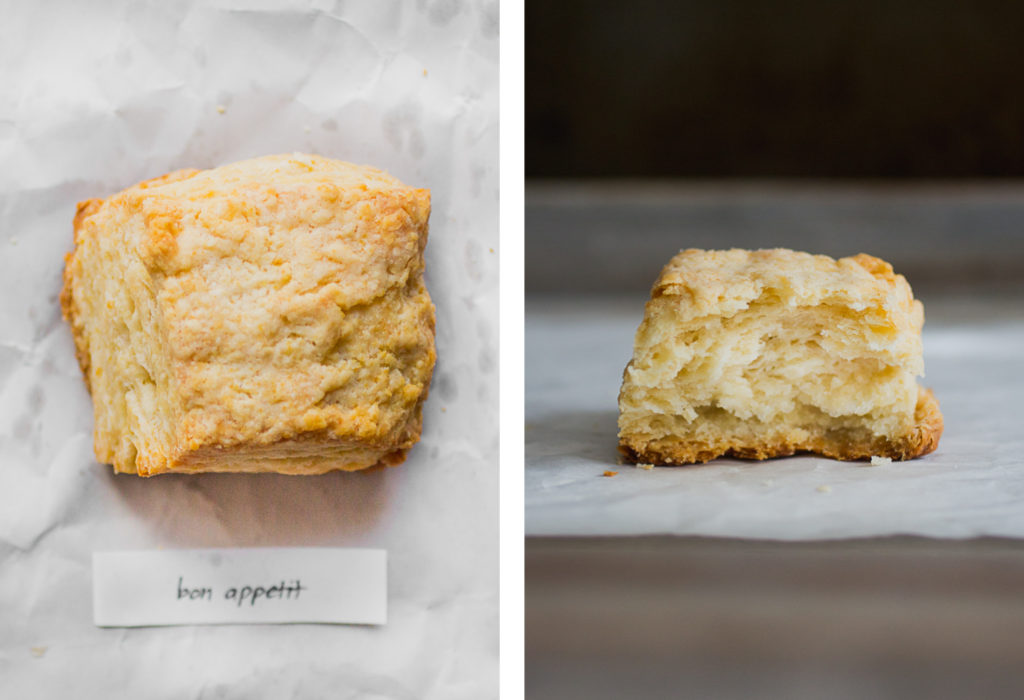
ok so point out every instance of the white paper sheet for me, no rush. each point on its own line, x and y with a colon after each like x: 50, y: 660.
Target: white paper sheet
x: 97, y: 96
x: 972, y: 485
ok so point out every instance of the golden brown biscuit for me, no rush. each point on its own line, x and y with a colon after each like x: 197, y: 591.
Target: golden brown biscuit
x: 760, y: 354
x: 268, y: 315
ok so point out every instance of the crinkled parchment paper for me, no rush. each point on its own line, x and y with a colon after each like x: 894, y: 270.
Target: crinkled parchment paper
x: 97, y: 96
x: 972, y: 485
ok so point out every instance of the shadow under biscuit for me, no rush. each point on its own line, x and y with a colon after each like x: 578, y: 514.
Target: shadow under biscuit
x: 269, y: 510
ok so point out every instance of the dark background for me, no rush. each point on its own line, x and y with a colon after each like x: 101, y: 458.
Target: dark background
x: 793, y: 88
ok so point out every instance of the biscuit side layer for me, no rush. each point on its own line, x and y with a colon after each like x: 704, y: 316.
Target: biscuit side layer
x: 109, y: 299
x: 765, y: 353
x: 921, y: 438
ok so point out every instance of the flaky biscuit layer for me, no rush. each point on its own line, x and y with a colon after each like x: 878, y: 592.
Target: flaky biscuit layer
x: 268, y: 315
x: 759, y: 354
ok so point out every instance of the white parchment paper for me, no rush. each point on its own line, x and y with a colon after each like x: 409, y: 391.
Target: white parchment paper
x: 97, y: 96
x: 972, y: 485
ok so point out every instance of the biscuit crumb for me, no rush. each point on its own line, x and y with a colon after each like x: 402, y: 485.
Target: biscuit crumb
x: 876, y: 460
x: 645, y: 467
x: 444, y: 409
x: 38, y: 652
x: 609, y: 473
x: 824, y: 488
x: 491, y: 249
x: 424, y: 72
x: 221, y: 109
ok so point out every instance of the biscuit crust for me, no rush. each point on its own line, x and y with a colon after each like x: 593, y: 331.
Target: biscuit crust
x: 922, y: 439
x: 761, y: 354
x: 268, y: 315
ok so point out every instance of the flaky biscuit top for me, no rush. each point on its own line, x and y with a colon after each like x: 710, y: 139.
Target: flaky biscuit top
x: 290, y: 289
x: 725, y: 282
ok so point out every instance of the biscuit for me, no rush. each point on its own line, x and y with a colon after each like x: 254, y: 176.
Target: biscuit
x: 759, y: 354
x: 264, y: 316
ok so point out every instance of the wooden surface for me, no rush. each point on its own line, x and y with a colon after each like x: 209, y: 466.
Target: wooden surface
x: 692, y: 617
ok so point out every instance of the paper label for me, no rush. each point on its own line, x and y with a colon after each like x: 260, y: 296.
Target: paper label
x: 239, y: 586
